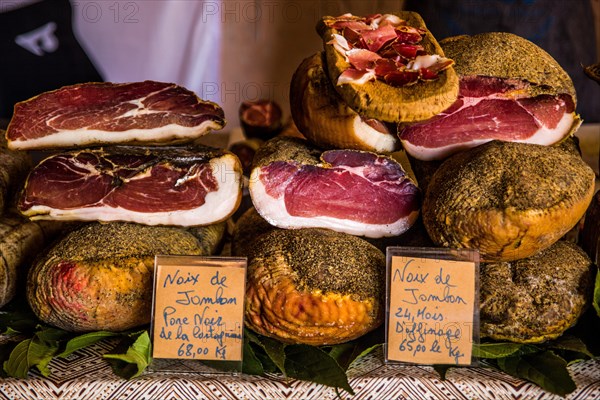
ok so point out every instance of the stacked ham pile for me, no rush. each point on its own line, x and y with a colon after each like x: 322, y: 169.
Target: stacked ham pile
x: 342, y: 176
x: 492, y: 115
x: 312, y: 278
x: 104, y: 180
x: 123, y: 158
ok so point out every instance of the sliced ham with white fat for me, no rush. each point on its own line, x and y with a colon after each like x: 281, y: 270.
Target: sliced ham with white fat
x: 99, y: 113
x: 490, y: 109
x: 294, y: 186
x: 183, y: 186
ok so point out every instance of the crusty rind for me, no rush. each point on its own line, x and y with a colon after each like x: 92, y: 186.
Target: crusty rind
x: 314, y: 286
x: 286, y: 148
x: 509, y: 56
x: 249, y: 226
x: 514, y: 309
x: 507, y: 200
x: 378, y: 100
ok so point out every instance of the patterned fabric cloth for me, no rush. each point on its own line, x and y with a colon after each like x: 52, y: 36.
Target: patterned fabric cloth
x: 85, y: 375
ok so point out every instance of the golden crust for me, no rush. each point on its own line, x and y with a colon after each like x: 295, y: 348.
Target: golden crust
x: 508, y: 200
x: 314, y: 286
x: 323, y: 117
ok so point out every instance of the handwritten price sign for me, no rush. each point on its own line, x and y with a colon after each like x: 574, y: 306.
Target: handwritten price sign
x: 432, y: 304
x: 198, y: 308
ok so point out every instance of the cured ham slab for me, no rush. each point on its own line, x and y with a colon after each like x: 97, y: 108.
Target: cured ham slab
x: 99, y: 113
x: 183, y: 186
x: 294, y: 185
x: 383, y: 47
x: 487, y: 109
x: 510, y: 90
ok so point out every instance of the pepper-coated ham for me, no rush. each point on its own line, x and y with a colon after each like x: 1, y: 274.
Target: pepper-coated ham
x: 510, y: 90
x: 294, y: 185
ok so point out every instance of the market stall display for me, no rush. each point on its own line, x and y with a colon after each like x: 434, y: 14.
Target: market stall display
x: 315, y: 298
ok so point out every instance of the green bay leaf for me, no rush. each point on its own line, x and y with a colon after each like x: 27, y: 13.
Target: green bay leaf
x: 275, y: 350
x: 343, y: 354
x: 40, y: 353
x: 17, y: 364
x: 570, y: 343
x: 82, y: 341
x: 312, y: 364
x: 136, y: 358
x: 269, y: 351
x: 502, y: 349
x: 545, y: 369
x: 251, y: 364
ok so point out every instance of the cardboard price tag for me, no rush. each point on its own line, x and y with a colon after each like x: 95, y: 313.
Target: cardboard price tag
x: 198, y: 308
x: 433, y: 307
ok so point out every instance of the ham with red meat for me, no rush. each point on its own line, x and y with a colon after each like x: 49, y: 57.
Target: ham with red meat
x: 98, y: 113
x: 183, y: 186
x: 294, y: 185
x: 486, y: 111
x: 364, y: 40
x: 388, y: 67
x: 510, y: 90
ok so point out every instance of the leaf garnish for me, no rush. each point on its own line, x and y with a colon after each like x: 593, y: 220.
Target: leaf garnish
x: 502, y: 349
x: 82, y: 341
x: 545, y: 369
x: 135, y: 358
x: 313, y: 364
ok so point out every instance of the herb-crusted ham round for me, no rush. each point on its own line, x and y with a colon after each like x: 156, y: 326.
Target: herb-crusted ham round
x: 508, y: 200
x: 510, y: 89
x: 314, y: 286
x: 99, y: 277
x: 537, y: 298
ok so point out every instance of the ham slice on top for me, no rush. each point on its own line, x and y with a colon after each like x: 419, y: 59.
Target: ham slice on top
x: 383, y: 47
x: 294, y: 185
x: 100, y: 113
